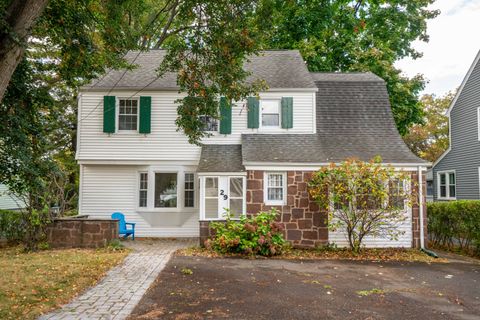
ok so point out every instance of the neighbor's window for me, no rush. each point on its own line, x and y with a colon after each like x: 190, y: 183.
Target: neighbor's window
x: 189, y: 190
x: 143, y: 190
x: 275, y: 188
x: 165, y: 190
x: 209, y: 123
x: 446, y: 184
x: 128, y: 114
x: 270, y: 113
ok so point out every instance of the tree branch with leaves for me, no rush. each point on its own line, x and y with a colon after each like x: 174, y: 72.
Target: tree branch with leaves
x: 363, y: 199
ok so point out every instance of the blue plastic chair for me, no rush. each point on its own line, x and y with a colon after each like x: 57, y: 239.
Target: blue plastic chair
x: 122, y: 225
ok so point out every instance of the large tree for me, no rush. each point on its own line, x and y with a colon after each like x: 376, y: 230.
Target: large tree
x: 362, y: 35
x: 430, y: 139
x: 207, y: 43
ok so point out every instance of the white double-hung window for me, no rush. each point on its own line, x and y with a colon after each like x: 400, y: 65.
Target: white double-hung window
x: 446, y: 185
x: 128, y: 114
x: 275, y: 189
x: 143, y: 190
x: 270, y: 113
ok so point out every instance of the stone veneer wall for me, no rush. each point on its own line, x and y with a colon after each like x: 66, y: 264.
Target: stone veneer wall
x: 305, y: 225
x: 81, y: 233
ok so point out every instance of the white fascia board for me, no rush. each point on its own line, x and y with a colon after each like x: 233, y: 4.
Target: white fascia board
x: 467, y: 76
x: 202, y: 174
x: 139, y: 162
x: 315, y: 166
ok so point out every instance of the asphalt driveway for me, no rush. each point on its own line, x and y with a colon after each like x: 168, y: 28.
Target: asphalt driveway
x: 281, y: 289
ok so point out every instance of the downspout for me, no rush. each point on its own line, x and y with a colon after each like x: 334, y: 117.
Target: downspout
x: 420, y: 211
x: 420, y: 207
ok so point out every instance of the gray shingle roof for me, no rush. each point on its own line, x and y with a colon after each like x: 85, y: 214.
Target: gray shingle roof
x: 354, y: 119
x: 279, y: 68
x: 345, y: 76
x: 221, y: 158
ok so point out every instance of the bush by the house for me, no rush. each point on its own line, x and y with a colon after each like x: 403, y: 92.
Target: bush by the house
x: 455, y: 224
x: 11, y: 227
x: 256, y: 235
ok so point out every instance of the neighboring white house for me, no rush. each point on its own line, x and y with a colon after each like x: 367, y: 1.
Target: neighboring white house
x: 261, y: 153
x: 9, y: 201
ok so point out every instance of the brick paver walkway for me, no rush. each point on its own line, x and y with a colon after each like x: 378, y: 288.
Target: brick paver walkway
x: 118, y: 293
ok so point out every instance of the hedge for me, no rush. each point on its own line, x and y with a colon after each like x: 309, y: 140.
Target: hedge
x: 11, y: 225
x: 455, y: 224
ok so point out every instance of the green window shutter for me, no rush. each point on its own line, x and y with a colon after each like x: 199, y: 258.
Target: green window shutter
x: 253, y: 112
x: 145, y: 114
x: 287, y: 112
x: 225, y: 116
x: 109, y: 114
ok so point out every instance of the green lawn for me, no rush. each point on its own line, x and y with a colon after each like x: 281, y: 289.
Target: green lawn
x: 38, y: 282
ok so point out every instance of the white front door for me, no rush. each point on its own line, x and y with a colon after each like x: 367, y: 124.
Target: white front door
x: 222, y: 194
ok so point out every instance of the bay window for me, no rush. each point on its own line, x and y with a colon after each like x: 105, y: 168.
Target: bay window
x: 143, y: 190
x: 165, y: 190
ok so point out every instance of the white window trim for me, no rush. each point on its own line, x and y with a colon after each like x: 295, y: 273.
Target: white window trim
x: 139, y: 179
x: 117, y: 115
x: 220, y: 216
x: 447, y: 181
x: 265, y: 189
x: 268, y: 128
x: 184, y: 190
x: 180, y: 171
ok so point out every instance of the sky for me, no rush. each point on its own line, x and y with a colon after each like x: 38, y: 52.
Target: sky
x: 454, y: 43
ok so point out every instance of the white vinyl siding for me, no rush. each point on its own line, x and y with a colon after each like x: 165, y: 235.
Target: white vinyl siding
x: 339, y: 236
x: 165, y: 142
x: 109, y: 188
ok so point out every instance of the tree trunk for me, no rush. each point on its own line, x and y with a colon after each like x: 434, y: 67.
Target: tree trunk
x: 20, y: 17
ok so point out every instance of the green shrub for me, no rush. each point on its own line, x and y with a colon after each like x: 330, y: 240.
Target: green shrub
x: 455, y: 224
x: 256, y: 235
x: 12, y: 227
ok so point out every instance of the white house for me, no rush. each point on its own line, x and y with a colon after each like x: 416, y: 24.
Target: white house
x: 261, y: 154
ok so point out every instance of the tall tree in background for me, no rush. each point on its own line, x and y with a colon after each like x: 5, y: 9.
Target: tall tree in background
x: 430, y: 140
x: 362, y: 35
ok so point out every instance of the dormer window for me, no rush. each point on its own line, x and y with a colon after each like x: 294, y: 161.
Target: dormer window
x: 128, y: 114
x: 210, y: 124
x: 270, y: 113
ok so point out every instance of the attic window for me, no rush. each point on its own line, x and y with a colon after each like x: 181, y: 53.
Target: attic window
x: 270, y: 113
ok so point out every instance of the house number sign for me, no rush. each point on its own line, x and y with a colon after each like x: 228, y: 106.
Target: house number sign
x: 224, y: 196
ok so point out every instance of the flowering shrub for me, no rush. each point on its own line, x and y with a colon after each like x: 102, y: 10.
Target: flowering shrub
x: 257, y: 235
